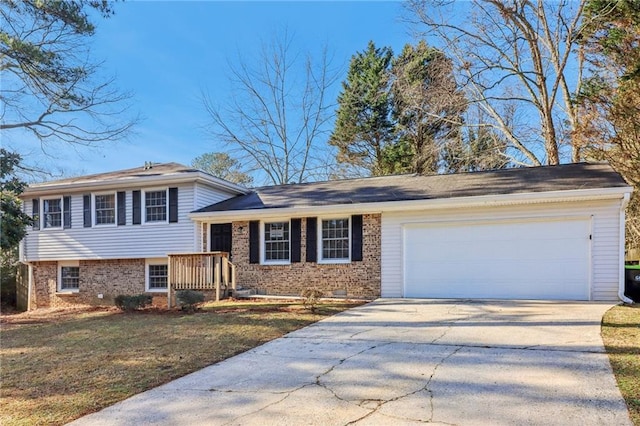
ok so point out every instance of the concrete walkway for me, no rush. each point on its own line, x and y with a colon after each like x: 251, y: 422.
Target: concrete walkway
x: 405, y: 362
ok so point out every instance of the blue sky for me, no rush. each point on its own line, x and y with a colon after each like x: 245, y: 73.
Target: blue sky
x: 167, y: 52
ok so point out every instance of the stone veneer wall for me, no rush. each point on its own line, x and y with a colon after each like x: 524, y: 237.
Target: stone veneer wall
x: 358, y: 279
x: 107, y: 277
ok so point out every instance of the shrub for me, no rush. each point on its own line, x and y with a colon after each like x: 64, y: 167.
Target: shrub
x: 132, y: 303
x: 311, y: 298
x: 188, y: 299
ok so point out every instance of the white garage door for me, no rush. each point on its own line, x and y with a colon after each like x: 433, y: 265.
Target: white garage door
x: 534, y: 259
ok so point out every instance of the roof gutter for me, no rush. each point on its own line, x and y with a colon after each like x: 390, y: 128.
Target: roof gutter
x: 621, y: 273
x: 134, y: 181
x: 403, y: 205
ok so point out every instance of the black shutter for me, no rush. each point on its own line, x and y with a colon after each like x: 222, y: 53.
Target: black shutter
x: 254, y: 241
x: 66, y: 212
x: 35, y: 213
x: 86, y: 210
x: 312, y: 239
x: 356, y: 237
x: 136, y: 207
x: 122, y: 207
x: 296, y: 234
x: 173, y: 205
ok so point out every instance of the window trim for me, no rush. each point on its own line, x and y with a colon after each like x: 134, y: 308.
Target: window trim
x: 42, y: 213
x: 151, y: 262
x: 263, y: 247
x: 143, y: 206
x: 94, y: 213
x: 67, y: 263
x: 320, y: 253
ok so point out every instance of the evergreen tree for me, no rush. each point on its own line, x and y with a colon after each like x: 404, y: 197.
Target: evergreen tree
x: 13, y: 221
x: 364, y: 130
x: 427, y: 105
x: 610, y: 95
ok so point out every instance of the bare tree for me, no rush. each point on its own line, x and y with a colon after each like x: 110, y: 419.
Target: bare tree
x: 50, y: 87
x: 278, y: 116
x: 517, y: 55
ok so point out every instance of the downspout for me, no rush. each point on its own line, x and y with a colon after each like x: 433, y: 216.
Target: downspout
x: 621, y: 283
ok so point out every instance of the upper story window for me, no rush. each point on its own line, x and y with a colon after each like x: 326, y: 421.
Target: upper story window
x: 276, y: 242
x: 335, y: 239
x: 105, y: 209
x: 52, y: 213
x: 155, y: 206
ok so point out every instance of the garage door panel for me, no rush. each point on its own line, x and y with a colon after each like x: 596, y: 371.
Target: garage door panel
x: 525, y: 259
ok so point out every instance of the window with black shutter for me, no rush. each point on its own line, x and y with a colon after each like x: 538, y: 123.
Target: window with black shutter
x: 296, y: 234
x: 173, y: 205
x: 356, y: 237
x: 35, y: 213
x: 312, y: 239
x: 86, y: 210
x: 254, y: 241
x: 66, y: 212
x: 136, y: 207
x: 122, y: 208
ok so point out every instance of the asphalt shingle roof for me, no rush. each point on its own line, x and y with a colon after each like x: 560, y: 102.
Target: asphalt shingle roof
x: 128, y: 174
x: 418, y: 187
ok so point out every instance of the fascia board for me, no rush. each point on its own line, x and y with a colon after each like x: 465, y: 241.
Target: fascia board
x: 440, y: 203
x: 133, y: 182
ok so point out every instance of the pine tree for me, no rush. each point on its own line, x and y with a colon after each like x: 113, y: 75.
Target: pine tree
x: 363, y: 130
x: 427, y: 104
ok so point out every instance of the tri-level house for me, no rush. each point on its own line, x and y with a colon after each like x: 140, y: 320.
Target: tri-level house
x: 553, y: 232
x: 98, y: 236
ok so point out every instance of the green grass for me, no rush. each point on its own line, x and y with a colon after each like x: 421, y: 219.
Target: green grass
x: 621, y: 336
x: 60, y: 365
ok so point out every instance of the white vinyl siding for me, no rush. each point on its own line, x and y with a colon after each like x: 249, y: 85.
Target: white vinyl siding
x: 605, y: 248
x: 206, y: 195
x: 113, y: 242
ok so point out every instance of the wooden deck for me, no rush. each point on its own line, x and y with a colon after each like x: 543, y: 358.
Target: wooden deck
x: 201, y: 271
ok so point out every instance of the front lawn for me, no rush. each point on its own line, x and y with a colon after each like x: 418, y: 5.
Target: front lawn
x: 57, y: 365
x: 621, y: 335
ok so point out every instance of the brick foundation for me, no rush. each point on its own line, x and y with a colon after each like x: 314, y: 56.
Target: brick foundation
x: 357, y: 279
x: 107, y: 277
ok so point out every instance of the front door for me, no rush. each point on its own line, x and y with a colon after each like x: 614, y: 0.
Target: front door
x: 221, y: 237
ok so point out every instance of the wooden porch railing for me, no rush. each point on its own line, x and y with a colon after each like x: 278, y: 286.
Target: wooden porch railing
x: 201, y: 271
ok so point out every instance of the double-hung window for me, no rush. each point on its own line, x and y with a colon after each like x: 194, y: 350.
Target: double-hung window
x: 105, y: 206
x: 52, y: 213
x: 69, y: 276
x: 155, y: 206
x: 157, y: 275
x: 276, y: 242
x: 335, y: 239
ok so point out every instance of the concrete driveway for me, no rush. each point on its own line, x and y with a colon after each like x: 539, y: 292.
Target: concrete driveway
x: 405, y: 362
